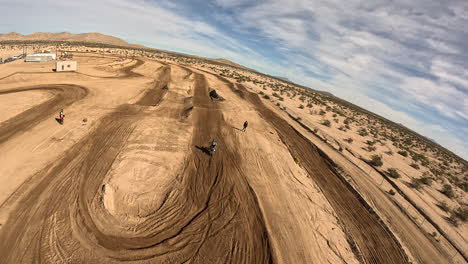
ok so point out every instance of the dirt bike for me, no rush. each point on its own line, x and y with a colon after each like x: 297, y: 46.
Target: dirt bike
x: 212, y: 148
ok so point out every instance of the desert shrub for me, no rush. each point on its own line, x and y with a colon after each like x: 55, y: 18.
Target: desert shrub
x: 334, y: 115
x: 462, y: 213
x: 349, y: 140
x: 453, y: 219
x: 418, y: 157
x: 363, y: 132
x: 322, y: 112
x: 376, y: 160
x: 448, y: 191
x: 415, y: 165
x: 346, y: 121
x: 370, y: 142
x: 261, y: 92
x: 403, y: 153
x: 443, y: 206
x: 309, y: 105
x: 435, y: 171
x: 347, y: 126
x: 340, y: 149
x: 266, y: 96
x: 326, y: 122
x: 425, y: 163
x: 425, y: 180
x: 392, y: 172
x: 390, y: 153
x: 371, y: 148
x: 301, y: 106
x: 415, y: 184
x: 315, y: 131
x: 463, y: 185
x: 391, y: 192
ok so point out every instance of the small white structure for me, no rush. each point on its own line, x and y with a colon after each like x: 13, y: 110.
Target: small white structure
x: 64, y: 66
x: 40, y: 57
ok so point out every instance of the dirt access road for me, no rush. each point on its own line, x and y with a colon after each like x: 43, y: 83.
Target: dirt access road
x: 76, y: 208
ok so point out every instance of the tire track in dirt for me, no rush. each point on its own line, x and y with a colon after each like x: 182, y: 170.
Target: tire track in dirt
x: 154, y: 95
x: 374, y: 241
x: 210, y: 216
x: 51, y: 196
x: 65, y: 95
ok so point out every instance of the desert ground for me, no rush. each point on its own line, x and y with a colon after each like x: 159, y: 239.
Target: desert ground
x: 127, y: 178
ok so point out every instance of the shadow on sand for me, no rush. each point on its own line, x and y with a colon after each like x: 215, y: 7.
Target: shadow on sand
x: 59, y: 121
x: 204, y: 149
x: 237, y: 128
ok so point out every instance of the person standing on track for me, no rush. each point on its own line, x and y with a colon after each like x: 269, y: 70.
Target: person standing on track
x: 61, y: 116
x: 246, y: 123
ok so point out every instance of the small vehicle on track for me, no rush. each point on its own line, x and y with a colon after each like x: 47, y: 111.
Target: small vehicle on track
x: 213, y: 146
x: 215, y: 95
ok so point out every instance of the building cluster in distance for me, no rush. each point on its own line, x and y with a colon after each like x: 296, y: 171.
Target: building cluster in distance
x: 62, y: 64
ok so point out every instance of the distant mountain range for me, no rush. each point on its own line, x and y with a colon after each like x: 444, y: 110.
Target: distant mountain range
x: 65, y: 36
x: 93, y: 38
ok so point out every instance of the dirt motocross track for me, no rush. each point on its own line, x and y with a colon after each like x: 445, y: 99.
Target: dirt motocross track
x: 92, y: 204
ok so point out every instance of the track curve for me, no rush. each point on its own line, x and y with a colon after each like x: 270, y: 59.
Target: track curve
x: 209, y: 215
x: 64, y: 95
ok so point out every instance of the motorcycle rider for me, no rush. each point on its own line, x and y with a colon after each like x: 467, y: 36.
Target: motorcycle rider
x: 213, y: 146
x: 61, y: 116
x: 246, y: 123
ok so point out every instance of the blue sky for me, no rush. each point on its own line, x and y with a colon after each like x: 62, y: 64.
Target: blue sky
x: 405, y: 60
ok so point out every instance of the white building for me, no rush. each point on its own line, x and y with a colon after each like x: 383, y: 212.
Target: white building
x: 63, y: 66
x: 40, y: 57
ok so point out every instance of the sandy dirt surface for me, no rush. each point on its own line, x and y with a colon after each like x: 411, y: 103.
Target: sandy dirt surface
x: 421, y: 206
x: 12, y: 104
x: 424, y: 170
x: 127, y: 177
